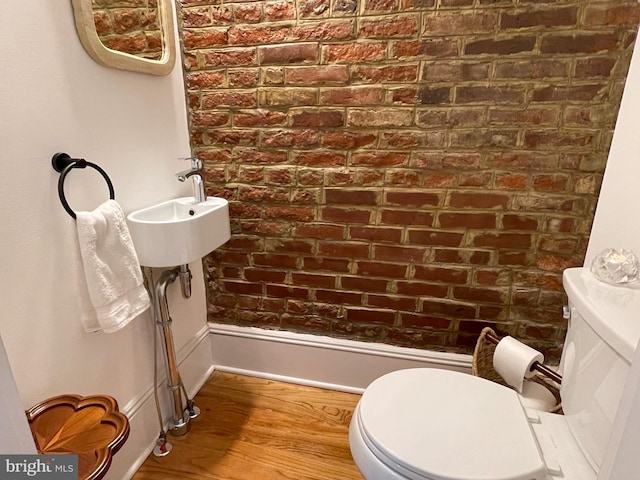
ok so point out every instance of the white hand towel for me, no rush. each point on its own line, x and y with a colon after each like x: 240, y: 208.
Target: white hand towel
x: 111, y: 268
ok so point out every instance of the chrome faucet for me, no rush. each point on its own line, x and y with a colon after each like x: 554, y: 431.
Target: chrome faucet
x: 195, y: 173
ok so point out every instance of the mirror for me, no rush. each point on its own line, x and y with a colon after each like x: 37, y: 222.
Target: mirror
x: 137, y: 36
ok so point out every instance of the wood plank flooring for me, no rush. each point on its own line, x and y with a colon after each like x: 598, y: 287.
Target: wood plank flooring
x: 255, y: 429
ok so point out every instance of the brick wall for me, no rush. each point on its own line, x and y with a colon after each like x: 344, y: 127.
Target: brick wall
x: 403, y: 171
x: 129, y: 26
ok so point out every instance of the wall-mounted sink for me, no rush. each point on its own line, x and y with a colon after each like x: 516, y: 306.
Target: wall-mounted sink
x: 179, y: 231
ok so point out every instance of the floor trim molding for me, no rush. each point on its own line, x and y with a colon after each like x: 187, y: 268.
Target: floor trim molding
x: 319, y: 361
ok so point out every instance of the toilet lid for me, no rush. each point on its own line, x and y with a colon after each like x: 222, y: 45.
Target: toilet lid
x: 444, y: 425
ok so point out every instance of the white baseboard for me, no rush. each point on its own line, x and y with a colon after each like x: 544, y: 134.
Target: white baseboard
x: 318, y: 361
x: 196, y: 366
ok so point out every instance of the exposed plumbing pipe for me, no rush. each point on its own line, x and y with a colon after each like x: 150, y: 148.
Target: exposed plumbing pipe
x: 181, y: 415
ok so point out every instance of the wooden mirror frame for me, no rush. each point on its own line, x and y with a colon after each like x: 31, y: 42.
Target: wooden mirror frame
x: 83, y: 13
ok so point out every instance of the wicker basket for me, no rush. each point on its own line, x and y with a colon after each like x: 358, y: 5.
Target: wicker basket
x: 482, y: 366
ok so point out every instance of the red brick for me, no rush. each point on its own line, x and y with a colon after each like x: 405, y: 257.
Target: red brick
x: 210, y: 37
x: 512, y: 181
x: 283, y: 10
x: 503, y: 240
x: 364, y: 284
x: 543, y: 68
x: 478, y: 200
x: 205, y: 79
x: 343, y: 249
x: 593, y: 43
x: 350, y: 197
x: 594, y: 67
x: 346, y: 215
x: 370, y: 316
x: 347, y: 140
x: 262, y: 275
x: 389, y: 27
x: 627, y: 15
x: 417, y: 320
x: 243, y: 78
x: 457, y: 161
x: 524, y: 161
x: 314, y: 8
x: 324, y: 31
x: 467, y: 220
x: 384, y: 74
x: 461, y: 22
x: 286, y: 97
x: 274, y: 260
x: 247, y: 12
x: 326, y: 264
x: 338, y: 298
x: 287, y: 54
x: 464, y: 257
x: 375, y: 234
x: 313, y: 280
x: 257, y: 35
x: 377, y: 269
x: 371, y: 6
x: 519, y: 222
x: 495, y: 94
x: 324, y: 74
x: 351, y: 96
x: 412, y: 199
x: 565, y: 16
x: 406, y: 217
x: 421, y: 289
x: 203, y: 119
x: 228, y: 99
x: 485, y: 295
x: 321, y: 231
x: 583, y: 93
x: 327, y: 118
x: 380, y: 159
x: 554, y: 138
x: 550, y: 183
x: 251, y: 156
x: 501, y: 47
x: 379, y: 117
x: 258, y: 118
x: 431, y: 48
x: 393, y: 253
x: 290, y: 138
x: 320, y: 159
x: 392, y: 302
x: 439, y: 274
x: 242, y: 287
x: 532, y: 116
x: 441, y: 71
x: 435, y: 237
x: 449, y: 309
x: 231, y: 57
x: 355, y: 52
x: 287, y: 291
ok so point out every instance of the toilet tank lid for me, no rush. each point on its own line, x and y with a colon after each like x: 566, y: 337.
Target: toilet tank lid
x: 611, y: 311
x: 442, y: 425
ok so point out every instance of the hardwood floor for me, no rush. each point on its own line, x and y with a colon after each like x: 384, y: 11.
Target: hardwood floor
x: 254, y: 429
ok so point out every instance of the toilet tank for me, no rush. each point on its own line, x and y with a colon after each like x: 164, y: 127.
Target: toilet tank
x: 603, y: 332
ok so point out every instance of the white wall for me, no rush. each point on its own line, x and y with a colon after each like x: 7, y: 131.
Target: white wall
x: 54, y: 97
x: 617, y: 225
x: 617, y: 219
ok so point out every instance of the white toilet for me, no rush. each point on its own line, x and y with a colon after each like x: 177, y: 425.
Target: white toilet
x: 432, y: 424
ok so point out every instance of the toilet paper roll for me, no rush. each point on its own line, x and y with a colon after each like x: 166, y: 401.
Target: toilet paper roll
x: 513, y: 359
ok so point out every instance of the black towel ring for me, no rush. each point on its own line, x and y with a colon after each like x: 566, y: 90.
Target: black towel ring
x: 63, y: 163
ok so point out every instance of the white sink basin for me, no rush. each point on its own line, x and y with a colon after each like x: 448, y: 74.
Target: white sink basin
x: 179, y: 231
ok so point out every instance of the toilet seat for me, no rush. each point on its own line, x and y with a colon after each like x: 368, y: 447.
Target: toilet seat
x: 441, y: 425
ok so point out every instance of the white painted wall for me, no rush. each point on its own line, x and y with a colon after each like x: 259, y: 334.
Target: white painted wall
x: 54, y: 97
x: 617, y: 225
